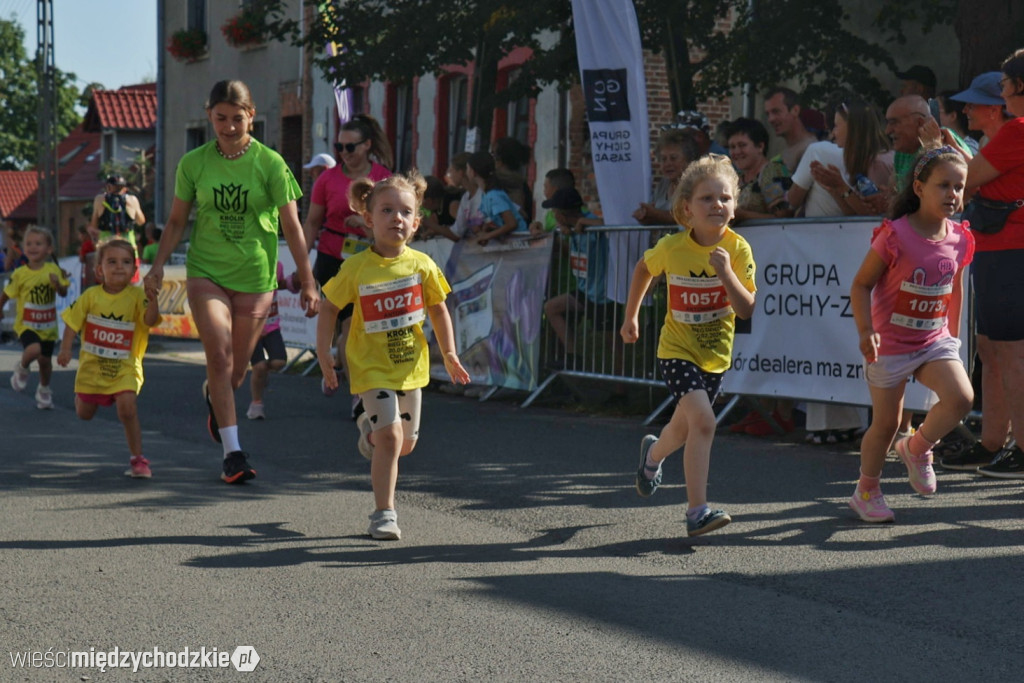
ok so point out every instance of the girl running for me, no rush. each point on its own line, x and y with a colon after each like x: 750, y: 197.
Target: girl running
x: 35, y: 285
x: 114, y: 319
x: 710, y: 275
x: 906, y: 300
x: 393, y: 289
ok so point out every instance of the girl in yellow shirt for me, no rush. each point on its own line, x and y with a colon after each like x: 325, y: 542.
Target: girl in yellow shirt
x: 710, y: 274
x: 35, y: 286
x: 393, y: 289
x: 114, y: 320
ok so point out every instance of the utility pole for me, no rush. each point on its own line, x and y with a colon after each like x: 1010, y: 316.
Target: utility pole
x: 46, y: 155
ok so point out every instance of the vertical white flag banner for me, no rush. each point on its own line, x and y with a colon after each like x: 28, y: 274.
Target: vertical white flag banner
x: 612, y: 73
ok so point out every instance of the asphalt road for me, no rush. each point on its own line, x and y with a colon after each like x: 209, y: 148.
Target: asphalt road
x: 526, y: 554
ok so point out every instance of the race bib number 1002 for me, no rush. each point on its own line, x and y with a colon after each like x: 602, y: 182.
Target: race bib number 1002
x: 392, y: 305
x: 108, y: 338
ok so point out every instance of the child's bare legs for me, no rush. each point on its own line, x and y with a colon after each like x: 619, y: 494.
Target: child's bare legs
x: 258, y: 381
x: 886, y: 412
x: 45, y: 368
x: 556, y: 309
x: 692, y: 424
x: 85, y: 411
x: 260, y: 377
x: 128, y: 414
x: 949, y: 381
x: 30, y: 354
x: 389, y: 444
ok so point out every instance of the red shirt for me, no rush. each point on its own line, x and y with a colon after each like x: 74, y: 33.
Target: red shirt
x: 1006, y: 154
x: 87, y: 248
x: 331, y: 192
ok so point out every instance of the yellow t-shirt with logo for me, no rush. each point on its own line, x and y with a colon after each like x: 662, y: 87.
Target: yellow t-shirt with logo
x: 114, y: 336
x: 699, y: 322
x: 37, y: 299
x: 386, y: 346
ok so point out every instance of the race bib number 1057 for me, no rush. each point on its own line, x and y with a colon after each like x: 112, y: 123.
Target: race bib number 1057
x: 695, y: 300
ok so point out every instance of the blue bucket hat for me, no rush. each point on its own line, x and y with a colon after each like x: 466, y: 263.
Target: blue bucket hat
x: 985, y: 89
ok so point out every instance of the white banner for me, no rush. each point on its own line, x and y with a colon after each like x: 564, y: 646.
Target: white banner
x: 615, y: 92
x: 296, y: 328
x: 802, y: 341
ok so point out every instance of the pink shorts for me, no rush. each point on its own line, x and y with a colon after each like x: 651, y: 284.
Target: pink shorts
x: 891, y: 371
x: 246, y: 304
x: 105, y: 400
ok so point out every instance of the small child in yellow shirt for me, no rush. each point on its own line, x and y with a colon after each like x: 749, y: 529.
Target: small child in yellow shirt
x: 114, y: 320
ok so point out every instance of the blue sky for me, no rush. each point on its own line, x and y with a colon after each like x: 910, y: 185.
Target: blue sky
x: 112, y: 42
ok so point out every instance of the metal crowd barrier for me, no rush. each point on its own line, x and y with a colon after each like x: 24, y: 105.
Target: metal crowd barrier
x: 598, y: 351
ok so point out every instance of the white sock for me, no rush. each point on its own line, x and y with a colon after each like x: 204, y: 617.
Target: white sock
x: 229, y: 439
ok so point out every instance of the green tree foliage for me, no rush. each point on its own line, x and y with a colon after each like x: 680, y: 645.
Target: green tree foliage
x: 19, y: 100
x: 771, y: 41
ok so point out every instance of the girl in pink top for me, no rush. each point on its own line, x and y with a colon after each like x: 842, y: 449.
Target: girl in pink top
x: 906, y: 300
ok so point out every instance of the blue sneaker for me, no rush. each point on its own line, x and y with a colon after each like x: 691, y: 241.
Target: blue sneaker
x: 644, y: 486
x: 709, y: 521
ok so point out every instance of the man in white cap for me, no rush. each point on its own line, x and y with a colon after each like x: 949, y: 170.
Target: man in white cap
x: 319, y: 164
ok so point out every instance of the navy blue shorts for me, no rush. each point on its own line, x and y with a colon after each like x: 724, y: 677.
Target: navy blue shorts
x: 269, y: 347
x: 29, y: 337
x: 999, y: 294
x: 682, y: 377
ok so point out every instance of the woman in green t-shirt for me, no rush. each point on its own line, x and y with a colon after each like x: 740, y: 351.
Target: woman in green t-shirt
x: 240, y: 189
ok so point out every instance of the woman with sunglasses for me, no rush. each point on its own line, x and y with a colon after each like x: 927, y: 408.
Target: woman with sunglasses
x: 362, y: 151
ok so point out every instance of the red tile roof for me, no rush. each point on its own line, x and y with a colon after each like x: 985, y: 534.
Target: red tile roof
x: 15, y: 188
x: 85, y: 183
x: 129, y: 108
x: 78, y: 158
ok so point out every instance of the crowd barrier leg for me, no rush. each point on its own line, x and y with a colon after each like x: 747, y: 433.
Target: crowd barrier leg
x: 303, y: 350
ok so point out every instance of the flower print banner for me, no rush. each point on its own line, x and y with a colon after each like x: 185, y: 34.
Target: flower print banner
x: 495, y: 304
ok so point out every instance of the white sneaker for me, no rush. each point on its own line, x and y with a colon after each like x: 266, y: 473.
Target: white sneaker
x: 365, y: 427
x: 44, y: 398
x: 384, y: 526
x: 19, y: 378
x: 256, y: 411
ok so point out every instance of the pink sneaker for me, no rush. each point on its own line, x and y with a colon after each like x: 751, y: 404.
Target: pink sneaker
x: 139, y: 468
x: 919, y: 468
x: 871, y: 506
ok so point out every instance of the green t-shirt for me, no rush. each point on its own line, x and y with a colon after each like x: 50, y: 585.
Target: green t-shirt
x: 234, y: 238
x: 149, y: 252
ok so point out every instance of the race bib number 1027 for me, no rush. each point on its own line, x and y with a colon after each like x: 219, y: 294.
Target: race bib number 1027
x: 392, y: 305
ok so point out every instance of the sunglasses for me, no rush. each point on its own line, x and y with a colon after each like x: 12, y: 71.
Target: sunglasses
x: 347, y: 146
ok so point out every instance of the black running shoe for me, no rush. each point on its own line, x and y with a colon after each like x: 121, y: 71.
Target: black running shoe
x: 236, y: 468
x: 1009, y: 467
x: 211, y: 420
x: 969, y: 459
